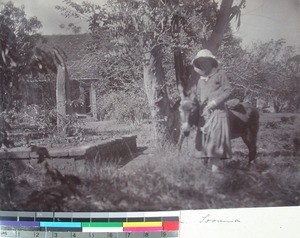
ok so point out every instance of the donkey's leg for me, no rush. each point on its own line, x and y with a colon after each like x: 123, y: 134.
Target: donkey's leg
x: 253, y: 147
x: 180, y: 141
x: 250, y: 140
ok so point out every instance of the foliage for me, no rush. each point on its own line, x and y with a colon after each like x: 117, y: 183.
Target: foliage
x: 18, y: 38
x: 130, y: 35
x: 261, y: 73
x: 71, y: 26
x: 139, y: 25
x: 71, y: 130
x: 33, y: 115
x: 40, y: 119
x: 39, y: 90
x: 124, y: 106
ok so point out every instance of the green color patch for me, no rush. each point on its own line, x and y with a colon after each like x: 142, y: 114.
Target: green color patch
x: 102, y: 224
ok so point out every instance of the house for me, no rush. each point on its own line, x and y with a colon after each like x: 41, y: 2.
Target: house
x: 82, y: 79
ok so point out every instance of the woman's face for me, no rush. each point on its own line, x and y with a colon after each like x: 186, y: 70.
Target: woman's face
x: 205, y: 64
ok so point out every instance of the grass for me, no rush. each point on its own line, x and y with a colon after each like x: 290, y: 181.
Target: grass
x: 165, y: 180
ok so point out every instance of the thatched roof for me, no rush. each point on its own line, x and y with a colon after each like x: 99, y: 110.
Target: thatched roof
x: 83, y: 52
x: 74, y: 46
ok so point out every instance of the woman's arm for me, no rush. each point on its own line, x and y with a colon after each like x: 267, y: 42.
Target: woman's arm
x: 225, y: 89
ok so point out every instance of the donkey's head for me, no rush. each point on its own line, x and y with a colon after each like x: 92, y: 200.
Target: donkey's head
x: 189, y: 114
x: 189, y: 105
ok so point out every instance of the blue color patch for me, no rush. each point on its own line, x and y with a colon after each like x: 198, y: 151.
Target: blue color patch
x: 61, y: 224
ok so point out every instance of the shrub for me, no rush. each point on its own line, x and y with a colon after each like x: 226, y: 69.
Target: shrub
x: 43, y: 119
x: 123, y: 106
x: 36, y: 118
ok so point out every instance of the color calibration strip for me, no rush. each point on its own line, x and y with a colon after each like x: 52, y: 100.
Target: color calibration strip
x: 89, y: 225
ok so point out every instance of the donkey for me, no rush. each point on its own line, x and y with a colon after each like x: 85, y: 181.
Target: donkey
x: 243, y: 117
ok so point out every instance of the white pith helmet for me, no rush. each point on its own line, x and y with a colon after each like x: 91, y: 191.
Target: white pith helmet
x: 205, y: 54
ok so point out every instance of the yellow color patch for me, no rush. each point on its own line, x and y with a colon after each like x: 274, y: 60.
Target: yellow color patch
x: 143, y: 224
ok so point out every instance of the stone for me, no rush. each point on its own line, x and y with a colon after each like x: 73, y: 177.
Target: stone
x: 16, y: 153
x: 58, y: 152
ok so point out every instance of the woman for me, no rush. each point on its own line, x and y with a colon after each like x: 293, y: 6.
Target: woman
x: 213, y: 89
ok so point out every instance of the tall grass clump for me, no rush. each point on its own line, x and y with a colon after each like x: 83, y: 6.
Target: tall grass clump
x: 124, y: 106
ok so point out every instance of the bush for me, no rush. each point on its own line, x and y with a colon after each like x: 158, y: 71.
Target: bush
x: 123, y: 106
x: 41, y: 123
x: 43, y: 119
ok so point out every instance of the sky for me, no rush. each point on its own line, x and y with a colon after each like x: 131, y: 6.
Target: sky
x: 266, y: 19
x: 261, y: 20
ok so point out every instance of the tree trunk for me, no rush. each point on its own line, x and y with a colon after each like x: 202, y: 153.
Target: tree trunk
x: 215, y: 39
x: 62, y: 97
x: 163, y: 116
x: 1, y: 92
x: 63, y: 105
x: 2, y: 124
x: 296, y: 139
x: 298, y: 95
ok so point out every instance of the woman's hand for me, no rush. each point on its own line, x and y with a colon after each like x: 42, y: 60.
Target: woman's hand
x: 210, y: 105
x: 207, y: 110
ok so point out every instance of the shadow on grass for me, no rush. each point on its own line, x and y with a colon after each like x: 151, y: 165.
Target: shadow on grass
x: 131, y: 156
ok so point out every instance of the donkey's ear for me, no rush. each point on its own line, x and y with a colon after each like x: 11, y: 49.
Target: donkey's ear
x: 181, y: 90
x: 176, y: 105
x: 180, y: 71
x: 193, y: 82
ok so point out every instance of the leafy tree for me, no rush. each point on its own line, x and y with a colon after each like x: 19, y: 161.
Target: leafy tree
x: 143, y: 35
x: 262, y: 72
x: 18, y: 37
x: 71, y: 26
x: 293, y: 65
